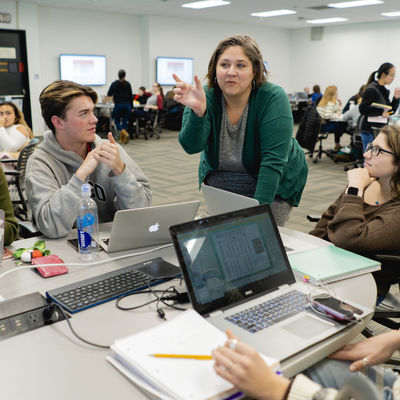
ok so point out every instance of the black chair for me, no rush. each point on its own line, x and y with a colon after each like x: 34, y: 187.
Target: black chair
x: 147, y: 124
x: 16, y: 180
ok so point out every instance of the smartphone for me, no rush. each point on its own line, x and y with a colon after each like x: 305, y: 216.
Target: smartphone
x: 336, y: 308
x: 75, y: 245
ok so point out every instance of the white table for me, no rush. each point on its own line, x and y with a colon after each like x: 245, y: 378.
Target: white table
x: 50, y: 363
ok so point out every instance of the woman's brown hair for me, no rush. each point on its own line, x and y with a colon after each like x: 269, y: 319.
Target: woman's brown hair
x: 252, y: 52
x: 19, y: 117
x: 392, y: 135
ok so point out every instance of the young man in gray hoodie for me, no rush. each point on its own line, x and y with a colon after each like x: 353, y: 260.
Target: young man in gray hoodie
x: 72, y: 154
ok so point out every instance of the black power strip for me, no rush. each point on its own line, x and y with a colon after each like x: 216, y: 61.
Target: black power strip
x: 25, y: 313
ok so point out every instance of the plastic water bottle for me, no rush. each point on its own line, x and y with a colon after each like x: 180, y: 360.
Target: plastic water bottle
x: 87, y: 224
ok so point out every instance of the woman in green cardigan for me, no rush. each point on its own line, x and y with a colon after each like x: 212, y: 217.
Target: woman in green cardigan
x: 243, y: 127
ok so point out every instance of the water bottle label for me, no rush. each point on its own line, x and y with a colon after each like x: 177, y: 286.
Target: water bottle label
x: 84, y: 239
x: 87, y: 220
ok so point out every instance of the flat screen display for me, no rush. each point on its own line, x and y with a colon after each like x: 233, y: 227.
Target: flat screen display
x: 84, y: 69
x: 166, y: 66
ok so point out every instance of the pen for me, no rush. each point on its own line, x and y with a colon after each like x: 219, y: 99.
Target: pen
x: 192, y: 356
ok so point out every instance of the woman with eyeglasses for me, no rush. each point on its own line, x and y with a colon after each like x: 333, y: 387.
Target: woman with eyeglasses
x: 376, y: 93
x: 243, y: 127
x: 365, y: 218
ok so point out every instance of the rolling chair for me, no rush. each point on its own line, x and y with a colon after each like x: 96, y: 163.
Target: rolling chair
x: 16, y: 186
x: 358, y: 387
x: 16, y: 179
x: 148, y: 125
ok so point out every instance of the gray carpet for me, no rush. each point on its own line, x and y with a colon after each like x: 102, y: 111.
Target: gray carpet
x: 173, y: 176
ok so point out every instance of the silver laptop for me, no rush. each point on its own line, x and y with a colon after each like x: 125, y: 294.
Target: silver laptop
x: 221, y: 201
x: 141, y: 227
x: 234, y: 266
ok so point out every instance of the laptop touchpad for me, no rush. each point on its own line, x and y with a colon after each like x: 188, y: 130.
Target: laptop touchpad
x: 306, y: 326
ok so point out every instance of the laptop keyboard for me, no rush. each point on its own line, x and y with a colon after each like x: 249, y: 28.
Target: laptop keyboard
x: 270, y: 312
x: 96, y: 290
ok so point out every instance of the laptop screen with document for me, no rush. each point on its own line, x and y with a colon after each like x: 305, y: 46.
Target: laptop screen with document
x: 231, y: 257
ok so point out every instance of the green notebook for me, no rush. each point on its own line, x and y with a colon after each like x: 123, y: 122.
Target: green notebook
x: 330, y: 263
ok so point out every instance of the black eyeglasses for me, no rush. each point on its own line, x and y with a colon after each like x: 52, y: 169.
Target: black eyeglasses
x: 376, y: 150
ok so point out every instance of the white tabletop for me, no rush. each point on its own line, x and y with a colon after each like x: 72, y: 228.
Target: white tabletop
x: 50, y: 363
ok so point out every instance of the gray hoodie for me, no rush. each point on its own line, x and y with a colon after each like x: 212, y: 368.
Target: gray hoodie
x: 54, y: 191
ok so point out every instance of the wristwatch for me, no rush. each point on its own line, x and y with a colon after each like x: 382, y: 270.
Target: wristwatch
x: 352, y: 191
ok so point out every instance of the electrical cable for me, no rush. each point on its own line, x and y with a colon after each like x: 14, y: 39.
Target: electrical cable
x: 134, y: 293
x: 101, y: 346
x: 86, y: 264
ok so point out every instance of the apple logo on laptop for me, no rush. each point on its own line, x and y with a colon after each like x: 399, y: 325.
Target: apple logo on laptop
x: 154, y: 228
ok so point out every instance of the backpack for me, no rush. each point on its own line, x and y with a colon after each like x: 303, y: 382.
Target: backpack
x: 310, y: 124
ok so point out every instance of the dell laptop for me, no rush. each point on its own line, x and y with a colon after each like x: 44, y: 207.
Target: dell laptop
x: 221, y: 201
x: 148, y: 226
x: 238, y: 277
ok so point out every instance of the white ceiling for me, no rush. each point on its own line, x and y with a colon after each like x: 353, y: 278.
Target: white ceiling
x: 238, y: 11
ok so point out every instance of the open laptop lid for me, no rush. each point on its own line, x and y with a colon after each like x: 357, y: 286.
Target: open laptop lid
x: 229, y: 258
x: 221, y: 201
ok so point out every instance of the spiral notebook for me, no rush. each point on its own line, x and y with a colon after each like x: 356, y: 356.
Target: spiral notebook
x: 330, y: 264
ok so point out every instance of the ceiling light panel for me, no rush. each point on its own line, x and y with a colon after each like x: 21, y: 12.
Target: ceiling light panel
x: 391, y: 14
x: 206, y: 4
x: 326, y: 20
x: 273, y: 13
x: 356, y: 3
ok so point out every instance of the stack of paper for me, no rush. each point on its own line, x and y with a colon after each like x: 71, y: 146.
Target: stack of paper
x: 174, y: 378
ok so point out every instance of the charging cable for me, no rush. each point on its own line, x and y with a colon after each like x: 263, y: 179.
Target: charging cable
x: 84, y: 264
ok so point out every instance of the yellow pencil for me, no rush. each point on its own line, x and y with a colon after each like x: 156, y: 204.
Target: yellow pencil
x: 192, y: 356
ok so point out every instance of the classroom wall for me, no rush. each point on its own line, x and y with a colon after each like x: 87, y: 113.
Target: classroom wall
x: 345, y: 56
x: 9, y: 6
x: 174, y: 37
x: 132, y: 42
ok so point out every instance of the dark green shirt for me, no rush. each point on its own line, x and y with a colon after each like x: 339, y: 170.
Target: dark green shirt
x: 270, y: 153
x: 10, y: 223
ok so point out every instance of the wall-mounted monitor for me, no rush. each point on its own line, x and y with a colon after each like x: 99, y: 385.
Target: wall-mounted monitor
x: 84, y: 69
x: 166, y: 66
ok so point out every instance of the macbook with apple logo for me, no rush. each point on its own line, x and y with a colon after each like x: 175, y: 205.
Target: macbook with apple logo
x: 143, y: 227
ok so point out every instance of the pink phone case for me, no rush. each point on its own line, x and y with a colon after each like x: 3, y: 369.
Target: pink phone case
x: 46, y: 272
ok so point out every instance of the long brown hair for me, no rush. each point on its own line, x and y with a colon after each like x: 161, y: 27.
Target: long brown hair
x: 392, y: 136
x: 329, y: 96
x: 19, y: 117
x: 252, y: 52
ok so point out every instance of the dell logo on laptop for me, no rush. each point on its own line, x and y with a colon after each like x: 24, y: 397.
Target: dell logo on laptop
x: 154, y: 228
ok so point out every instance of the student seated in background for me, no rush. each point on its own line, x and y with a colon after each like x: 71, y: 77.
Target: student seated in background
x: 365, y: 218
x: 356, y: 99
x: 316, y: 94
x: 241, y: 365
x: 329, y: 109
x: 14, y: 131
x: 141, y: 96
x: 72, y: 154
x: 10, y: 223
x: 153, y: 103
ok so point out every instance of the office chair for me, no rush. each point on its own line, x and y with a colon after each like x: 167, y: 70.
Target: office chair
x: 358, y: 387
x: 16, y: 180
